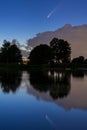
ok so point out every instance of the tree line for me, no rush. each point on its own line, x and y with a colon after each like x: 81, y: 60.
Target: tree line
x: 10, y: 53
x: 58, y: 52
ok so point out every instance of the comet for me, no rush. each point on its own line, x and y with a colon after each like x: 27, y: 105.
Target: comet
x: 51, y: 122
x: 51, y: 13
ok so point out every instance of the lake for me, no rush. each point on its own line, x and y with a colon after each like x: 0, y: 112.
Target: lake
x: 39, y: 100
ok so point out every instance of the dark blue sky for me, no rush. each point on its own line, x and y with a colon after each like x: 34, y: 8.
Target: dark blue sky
x: 22, y: 19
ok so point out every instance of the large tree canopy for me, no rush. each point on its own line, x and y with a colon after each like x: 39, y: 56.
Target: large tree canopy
x: 10, y: 53
x: 40, y: 55
x: 61, y: 50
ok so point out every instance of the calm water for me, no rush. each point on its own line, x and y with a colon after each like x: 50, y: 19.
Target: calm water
x: 43, y: 100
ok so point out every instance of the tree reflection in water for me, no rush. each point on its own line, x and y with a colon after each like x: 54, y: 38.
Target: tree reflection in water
x: 10, y: 80
x: 78, y: 74
x: 56, y: 83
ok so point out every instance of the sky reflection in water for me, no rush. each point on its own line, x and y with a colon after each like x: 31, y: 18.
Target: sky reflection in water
x: 43, y: 100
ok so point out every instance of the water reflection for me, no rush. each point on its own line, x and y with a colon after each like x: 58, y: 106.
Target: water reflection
x: 30, y: 109
x: 10, y: 81
x: 56, y: 83
x: 78, y: 74
x: 63, y: 88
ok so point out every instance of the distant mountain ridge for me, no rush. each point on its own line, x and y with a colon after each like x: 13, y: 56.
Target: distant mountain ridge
x: 75, y: 35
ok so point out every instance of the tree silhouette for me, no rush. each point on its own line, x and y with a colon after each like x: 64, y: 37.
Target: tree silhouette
x: 39, y: 80
x: 40, y: 55
x: 61, y: 86
x: 58, y: 85
x: 10, y: 80
x: 78, y: 74
x: 10, y: 53
x: 61, y: 50
x: 78, y: 60
x: 15, y: 54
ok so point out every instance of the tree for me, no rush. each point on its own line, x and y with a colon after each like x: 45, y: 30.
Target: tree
x: 57, y: 86
x: 61, y: 50
x: 15, y: 54
x: 10, y: 53
x: 40, y: 55
x: 10, y: 80
x: 78, y: 60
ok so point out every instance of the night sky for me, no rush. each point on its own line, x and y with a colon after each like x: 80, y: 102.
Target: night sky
x: 22, y: 19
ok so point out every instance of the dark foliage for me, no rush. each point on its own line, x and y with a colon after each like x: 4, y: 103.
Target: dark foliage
x: 40, y: 55
x: 10, y: 81
x: 78, y: 74
x: 78, y: 60
x: 61, y: 50
x: 10, y: 53
x: 57, y: 84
